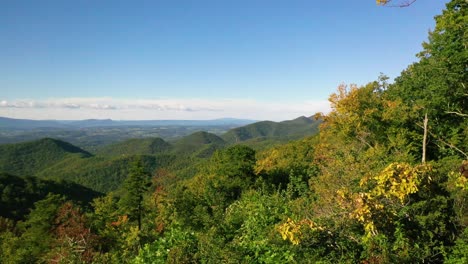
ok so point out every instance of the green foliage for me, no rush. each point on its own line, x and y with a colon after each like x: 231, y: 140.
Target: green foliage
x: 134, y: 188
x: 201, y: 201
x: 436, y: 85
x: 174, y: 246
x: 459, y: 252
x: 36, y: 238
x: 235, y: 161
x: 136, y: 146
x: 250, y: 226
x: 278, y: 163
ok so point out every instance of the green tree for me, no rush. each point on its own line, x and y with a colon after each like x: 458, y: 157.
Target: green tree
x: 201, y: 201
x: 37, y: 239
x: 436, y: 85
x: 134, y: 188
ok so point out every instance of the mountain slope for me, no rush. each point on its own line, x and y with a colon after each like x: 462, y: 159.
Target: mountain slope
x: 202, y: 144
x: 28, y: 158
x: 285, y: 130
x: 136, y: 146
x: 101, y: 173
x: 58, y: 160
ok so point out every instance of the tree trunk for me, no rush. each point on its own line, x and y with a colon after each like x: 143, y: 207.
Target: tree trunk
x: 424, y: 139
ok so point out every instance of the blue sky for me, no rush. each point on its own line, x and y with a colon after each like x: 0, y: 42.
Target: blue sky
x: 197, y: 59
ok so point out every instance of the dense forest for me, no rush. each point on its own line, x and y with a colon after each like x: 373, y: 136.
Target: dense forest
x: 384, y: 180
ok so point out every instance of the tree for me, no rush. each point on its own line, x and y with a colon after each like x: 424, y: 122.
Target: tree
x: 135, y: 187
x: 201, y: 201
x: 36, y: 240
x: 74, y: 241
x: 437, y: 85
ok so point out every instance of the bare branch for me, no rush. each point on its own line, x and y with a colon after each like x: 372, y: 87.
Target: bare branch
x: 446, y: 143
x: 424, y: 139
x: 456, y: 113
x: 387, y: 3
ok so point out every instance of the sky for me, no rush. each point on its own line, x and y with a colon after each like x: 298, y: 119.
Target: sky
x: 204, y: 59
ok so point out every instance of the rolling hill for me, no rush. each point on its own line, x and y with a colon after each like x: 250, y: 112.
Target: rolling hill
x: 30, y: 157
x: 101, y: 173
x: 58, y: 160
x: 200, y: 144
x: 136, y: 146
x: 282, y: 131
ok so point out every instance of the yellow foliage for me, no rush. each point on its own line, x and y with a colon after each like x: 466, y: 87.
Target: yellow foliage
x: 268, y: 163
x: 292, y: 230
x: 388, y: 190
x: 397, y: 181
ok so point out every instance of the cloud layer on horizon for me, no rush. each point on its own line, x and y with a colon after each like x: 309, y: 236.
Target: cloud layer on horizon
x: 145, y: 109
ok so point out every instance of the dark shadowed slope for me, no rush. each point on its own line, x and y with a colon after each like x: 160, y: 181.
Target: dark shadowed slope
x: 18, y: 194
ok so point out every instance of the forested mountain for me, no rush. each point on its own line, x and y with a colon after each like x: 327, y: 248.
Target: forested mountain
x: 136, y: 146
x: 103, y: 174
x: 286, y: 130
x: 384, y: 181
x: 107, y: 168
x: 54, y: 159
x: 201, y: 143
x: 30, y: 157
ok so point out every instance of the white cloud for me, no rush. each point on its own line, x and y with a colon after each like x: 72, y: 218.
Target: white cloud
x: 144, y: 109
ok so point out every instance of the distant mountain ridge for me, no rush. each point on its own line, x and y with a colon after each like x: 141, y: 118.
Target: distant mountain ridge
x: 13, y: 123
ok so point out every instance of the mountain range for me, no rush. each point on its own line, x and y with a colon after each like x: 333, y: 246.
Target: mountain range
x: 105, y: 169
x: 13, y: 123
